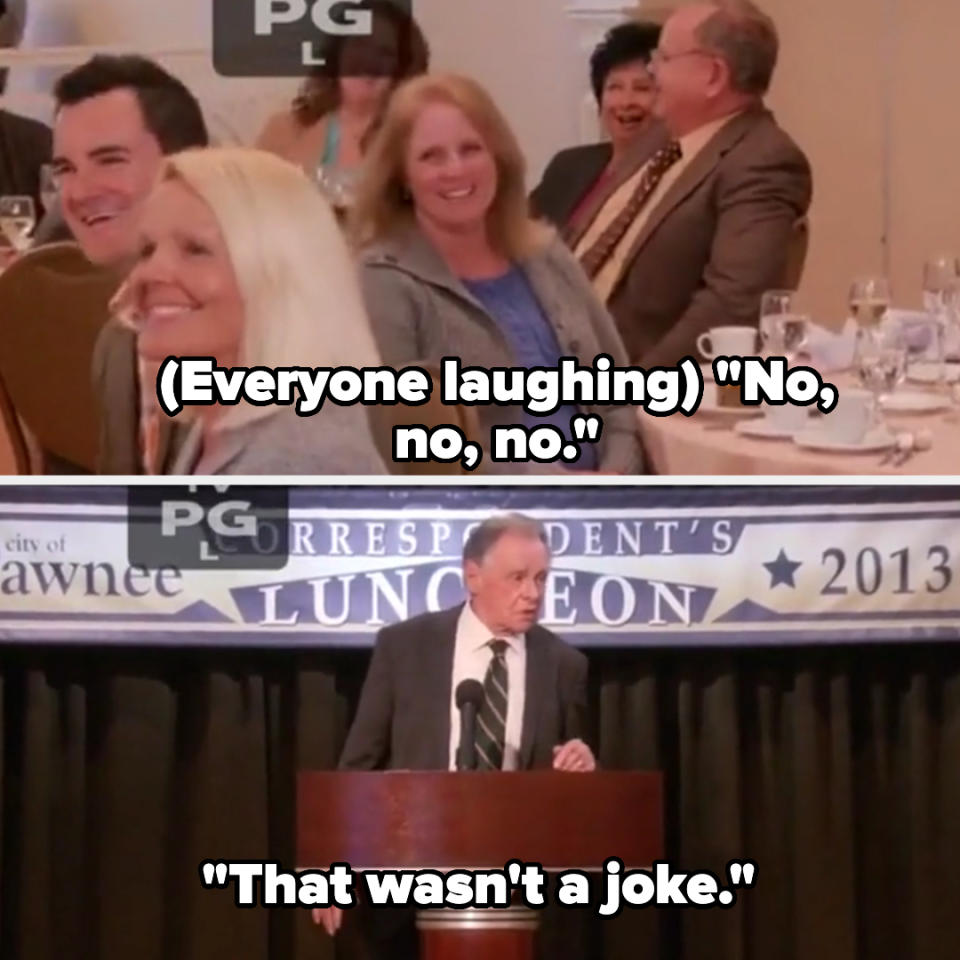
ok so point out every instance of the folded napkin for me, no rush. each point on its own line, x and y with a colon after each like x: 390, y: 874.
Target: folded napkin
x: 831, y: 351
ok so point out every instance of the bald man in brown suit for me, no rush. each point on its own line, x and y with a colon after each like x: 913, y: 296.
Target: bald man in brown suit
x: 716, y: 222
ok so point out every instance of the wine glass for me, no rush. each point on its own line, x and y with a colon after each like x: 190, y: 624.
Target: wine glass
x: 18, y: 217
x: 337, y: 186
x: 773, y: 304
x: 49, y: 189
x: 784, y: 330
x: 869, y: 300
x: 941, y: 290
x: 880, y: 361
x: 941, y: 274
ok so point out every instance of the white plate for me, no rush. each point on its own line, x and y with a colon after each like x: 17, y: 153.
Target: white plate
x: 763, y: 429
x: 913, y: 401
x: 930, y: 372
x: 817, y: 439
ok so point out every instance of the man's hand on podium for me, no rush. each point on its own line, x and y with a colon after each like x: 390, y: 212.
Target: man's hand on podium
x: 329, y: 918
x: 573, y: 755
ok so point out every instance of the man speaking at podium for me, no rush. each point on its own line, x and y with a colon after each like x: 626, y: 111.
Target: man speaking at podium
x: 531, y: 700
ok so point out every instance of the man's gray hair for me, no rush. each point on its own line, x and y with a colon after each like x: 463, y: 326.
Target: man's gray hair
x: 746, y: 38
x: 483, y: 537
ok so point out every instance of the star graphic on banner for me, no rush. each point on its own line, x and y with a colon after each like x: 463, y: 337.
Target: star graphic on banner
x: 782, y: 570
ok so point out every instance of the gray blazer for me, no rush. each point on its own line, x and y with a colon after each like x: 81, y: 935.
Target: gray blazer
x: 336, y: 440
x: 403, y: 719
x: 420, y: 312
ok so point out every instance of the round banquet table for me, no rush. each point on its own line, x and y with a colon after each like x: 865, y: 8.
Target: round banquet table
x: 706, y: 445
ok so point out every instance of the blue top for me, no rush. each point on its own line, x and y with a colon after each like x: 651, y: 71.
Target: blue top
x: 331, y: 141
x: 512, y: 304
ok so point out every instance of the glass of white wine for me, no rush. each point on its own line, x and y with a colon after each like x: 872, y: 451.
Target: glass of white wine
x: 18, y: 217
x: 869, y: 300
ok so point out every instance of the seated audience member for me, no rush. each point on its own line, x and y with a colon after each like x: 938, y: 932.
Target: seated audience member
x: 227, y: 267
x: 624, y: 90
x: 452, y: 264
x: 330, y: 121
x: 25, y: 143
x: 705, y: 224
x: 115, y: 119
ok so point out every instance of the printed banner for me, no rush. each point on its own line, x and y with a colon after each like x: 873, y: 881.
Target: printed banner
x: 653, y: 566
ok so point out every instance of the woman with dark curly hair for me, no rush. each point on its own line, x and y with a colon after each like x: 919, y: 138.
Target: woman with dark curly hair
x: 624, y: 89
x: 337, y: 109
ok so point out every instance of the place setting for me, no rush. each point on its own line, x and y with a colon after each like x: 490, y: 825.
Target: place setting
x: 893, y: 370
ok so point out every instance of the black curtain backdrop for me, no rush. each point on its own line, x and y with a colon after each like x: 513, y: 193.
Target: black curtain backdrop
x: 837, y: 769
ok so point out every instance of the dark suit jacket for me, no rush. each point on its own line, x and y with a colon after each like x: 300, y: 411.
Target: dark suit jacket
x: 565, y: 181
x: 719, y: 237
x: 116, y: 382
x: 403, y: 720
x: 25, y: 145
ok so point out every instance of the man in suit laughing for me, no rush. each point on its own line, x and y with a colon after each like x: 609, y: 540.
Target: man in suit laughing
x: 534, y: 683
x: 711, y: 216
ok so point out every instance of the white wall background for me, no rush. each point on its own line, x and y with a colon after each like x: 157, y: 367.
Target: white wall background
x: 530, y: 54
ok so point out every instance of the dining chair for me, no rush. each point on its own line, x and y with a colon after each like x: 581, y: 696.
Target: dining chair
x: 53, y: 302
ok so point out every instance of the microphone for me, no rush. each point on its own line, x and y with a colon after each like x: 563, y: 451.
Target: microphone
x: 469, y: 698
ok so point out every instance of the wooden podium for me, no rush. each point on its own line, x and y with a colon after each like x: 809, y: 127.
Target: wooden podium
x: 444, y: 821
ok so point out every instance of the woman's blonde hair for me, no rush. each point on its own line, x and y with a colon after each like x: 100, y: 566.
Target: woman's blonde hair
x: 302, y: 301
x: 383, y: 201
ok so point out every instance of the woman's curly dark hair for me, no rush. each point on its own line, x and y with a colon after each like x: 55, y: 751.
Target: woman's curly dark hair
x: 624, y: 44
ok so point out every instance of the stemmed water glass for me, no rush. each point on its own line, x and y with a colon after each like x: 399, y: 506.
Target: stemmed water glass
x: 784, y: 330
x: 337, y: 186
x: 941, y: 293
x: 880, y: 361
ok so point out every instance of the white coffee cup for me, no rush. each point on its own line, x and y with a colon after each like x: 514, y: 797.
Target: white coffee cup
x: 850, y: 419
x: 728, y: 342
x: 787, y: 417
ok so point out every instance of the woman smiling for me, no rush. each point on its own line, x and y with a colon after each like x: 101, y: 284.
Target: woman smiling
x: 452, y: 265
x: 240, y: 259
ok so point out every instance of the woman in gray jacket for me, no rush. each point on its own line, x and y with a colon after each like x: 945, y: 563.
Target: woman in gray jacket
x: 453, y: 265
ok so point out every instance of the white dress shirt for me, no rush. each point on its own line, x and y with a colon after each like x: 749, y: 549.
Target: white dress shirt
x: 471, y: 657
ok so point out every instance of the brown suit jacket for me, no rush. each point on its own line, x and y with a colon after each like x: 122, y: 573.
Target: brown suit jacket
x: 719, y: 237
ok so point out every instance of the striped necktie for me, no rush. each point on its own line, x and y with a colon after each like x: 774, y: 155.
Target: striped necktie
x: 492, y: 719
x: 600, y: 251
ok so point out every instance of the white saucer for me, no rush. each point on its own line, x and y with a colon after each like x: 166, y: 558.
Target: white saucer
x: 913, y: 401
x: 763, y: 429
x: 930, y: 372
x: 817, y: 439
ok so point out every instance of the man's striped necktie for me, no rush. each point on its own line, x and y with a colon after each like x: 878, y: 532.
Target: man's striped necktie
x: 492, y: 719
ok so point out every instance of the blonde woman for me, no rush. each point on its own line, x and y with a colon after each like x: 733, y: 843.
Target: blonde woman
x: 452, y: 264
x: 240, y: 259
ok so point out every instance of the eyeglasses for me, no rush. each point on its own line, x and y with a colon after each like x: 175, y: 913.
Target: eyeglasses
x: 658, y: 56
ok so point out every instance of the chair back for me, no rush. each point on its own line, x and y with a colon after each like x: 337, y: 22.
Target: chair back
x: 53, y: 302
